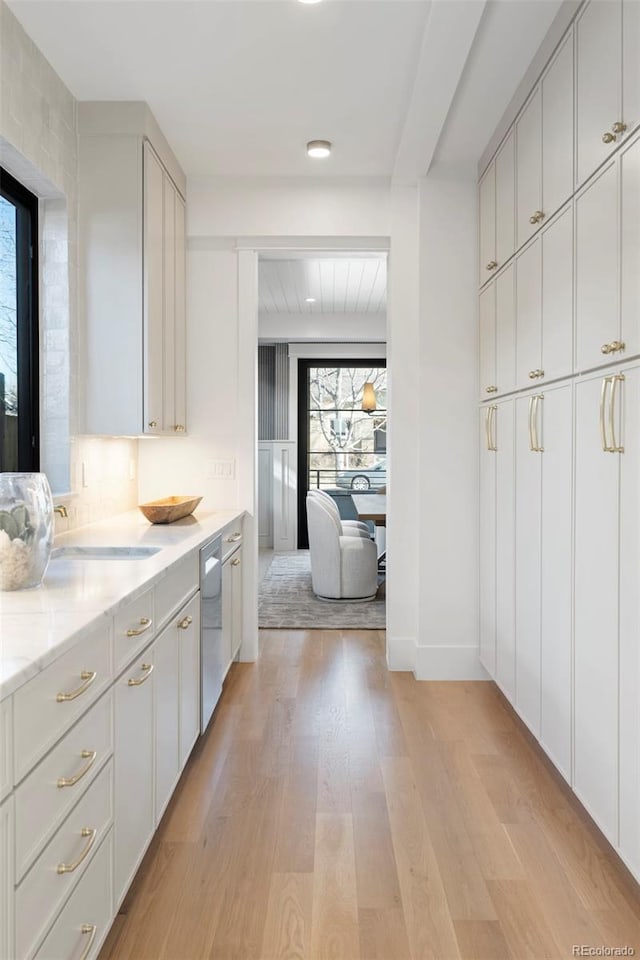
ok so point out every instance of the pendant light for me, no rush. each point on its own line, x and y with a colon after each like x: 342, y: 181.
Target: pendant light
x: 368, y: 398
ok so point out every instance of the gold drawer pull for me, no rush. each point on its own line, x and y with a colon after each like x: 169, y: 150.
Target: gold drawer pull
x: 89, y: 755
x: 148, y: 670
x: 537, y: 217
x: 608, y: 137
x: 88, y: 676
x: 185, y: 624
x: 88, y: 930
x: 89, y: 832
x: 145, y: 623
x: 614, y: 347
x: 492, y: 264
x: 619, y: 126
x: 179, y: 428
x: 234, y: 538
x: 490, y: 389
x: 534, y: 374
x: 235, y: 563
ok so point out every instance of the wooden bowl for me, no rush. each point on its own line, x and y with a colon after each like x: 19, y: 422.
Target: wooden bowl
x: 169, y: 509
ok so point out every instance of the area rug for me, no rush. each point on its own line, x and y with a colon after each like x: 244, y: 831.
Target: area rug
x: 286, y: 601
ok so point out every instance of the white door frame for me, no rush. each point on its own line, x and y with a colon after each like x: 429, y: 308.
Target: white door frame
x: 249, y: 249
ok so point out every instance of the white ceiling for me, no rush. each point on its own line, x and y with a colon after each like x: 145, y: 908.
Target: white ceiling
x: 339, y: 285
x: 239, y: 86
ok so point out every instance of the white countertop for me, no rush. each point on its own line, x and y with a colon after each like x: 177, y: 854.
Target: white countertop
x: 37, y: 626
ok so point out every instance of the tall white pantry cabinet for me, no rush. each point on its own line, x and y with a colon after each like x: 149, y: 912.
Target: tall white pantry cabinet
x: 559, y: 317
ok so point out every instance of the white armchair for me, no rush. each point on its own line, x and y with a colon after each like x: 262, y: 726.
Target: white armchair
x: 349, y: 527
x: 343, y: 567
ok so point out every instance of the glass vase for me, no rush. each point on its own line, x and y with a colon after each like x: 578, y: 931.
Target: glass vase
x: 26, y: 529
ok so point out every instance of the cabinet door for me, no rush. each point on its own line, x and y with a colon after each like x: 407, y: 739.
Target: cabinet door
x: 180, y: 341
x: 557, y: 129
x: 169, y: 308
x: 166, y: 682
x: 134, y: 754
x: 630, y: 621
x: 631, y: 64
x: 236, y: 603
x: 153, y: 290
x: 556, y: 587
x: 487, y: 543
x: 529, y: 313
x: 487, y: 224
x: 557, y: 297
x: 505, y: 547
x: 506, y: 330
x: 488, y: 341
x: 528, y: 496
x: 6, y: 880
x: 630, y: 247
x: 598, y: 103
x: 529, y: 168
x: 189, y: 643
x: 596, y: 264
x: 227, y: 614
x: 596, y: 658
x: 505, y: 200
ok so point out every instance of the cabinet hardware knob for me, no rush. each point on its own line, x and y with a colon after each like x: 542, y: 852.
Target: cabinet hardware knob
x: 235, y: 563
x: 619, y: 126
x: 537, y: 217
x: 185, y: 624
x: 492, y: 264
x: 179, y: 428
x: 608, y: 137
x: 491, y: 390
x: 153, y: 424
x: 145, y: 623
x: 534, y: 374
x: 614, y: 347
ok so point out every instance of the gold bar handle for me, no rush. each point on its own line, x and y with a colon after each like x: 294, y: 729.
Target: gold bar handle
x: 185, y: 624
x: 536, y: 406
x: 487, y: 426
x: 90, y: 930
x: 145, y: 624
x: 89, y: 755
x: 234, y: 538
x: 532, y: 446
x: 89, y: 832
x: 148, y: 670
x: 612, y: 413
x: 603, y: 427
x: 88, y: 676
x: 492, y: 423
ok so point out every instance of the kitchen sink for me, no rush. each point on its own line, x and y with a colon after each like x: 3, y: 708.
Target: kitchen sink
x: 103, y: 553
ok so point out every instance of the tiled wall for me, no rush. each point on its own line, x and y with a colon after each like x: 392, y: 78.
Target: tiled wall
x: 38, y: 145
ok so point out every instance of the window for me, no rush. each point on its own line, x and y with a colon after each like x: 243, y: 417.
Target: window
x: 18, y: 327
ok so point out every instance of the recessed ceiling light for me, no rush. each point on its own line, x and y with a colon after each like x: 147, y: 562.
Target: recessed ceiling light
x: 309, y: 299
x: 319, y: 148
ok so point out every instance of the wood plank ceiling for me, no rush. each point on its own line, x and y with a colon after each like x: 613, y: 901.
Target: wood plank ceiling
x: 339, y: 285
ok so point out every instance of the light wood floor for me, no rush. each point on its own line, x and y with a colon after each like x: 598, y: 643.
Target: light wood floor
x: 337, y: 811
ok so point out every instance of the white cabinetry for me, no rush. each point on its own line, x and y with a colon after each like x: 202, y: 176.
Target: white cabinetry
x: 487, y: 225
x: 166, y: 697
x: 6, y: 880
x: 488, y: 538
x: 134, y: 754
x: 189, y: 645
x: 504, y: 429
x: 131, y: 227
x: 505, y: 228
x: 498, y: 335
x: 488, y: 383
x: 529, y: 166
x: 544, y: 305
x: 231, y: 607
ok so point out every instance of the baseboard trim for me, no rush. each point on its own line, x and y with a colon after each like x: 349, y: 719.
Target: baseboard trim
x: 448, y: 662
x: 400, y: 652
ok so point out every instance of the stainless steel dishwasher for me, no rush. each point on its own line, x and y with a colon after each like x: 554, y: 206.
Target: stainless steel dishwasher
x: 211, y: 661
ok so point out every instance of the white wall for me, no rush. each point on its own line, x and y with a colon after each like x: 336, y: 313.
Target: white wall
x: 448, y: 437
x: 319, y: 327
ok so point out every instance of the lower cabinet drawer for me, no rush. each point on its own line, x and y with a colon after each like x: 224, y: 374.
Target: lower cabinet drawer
x: 179, y: 584
x: 85, y: 919
x: 63, y: 862
x: 57, y: 783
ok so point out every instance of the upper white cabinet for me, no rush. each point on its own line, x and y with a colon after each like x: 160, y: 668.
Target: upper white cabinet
x: 498, y: 335
x: 132, y: 273
x: 488, y: 385
x: 544, y: 304
x: 544, y: 144
x: 497, y: 211
x: 607, y: 257
x: 608, y: 88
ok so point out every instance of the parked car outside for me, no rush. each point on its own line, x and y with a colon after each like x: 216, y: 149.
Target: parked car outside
x: 364, y: 478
